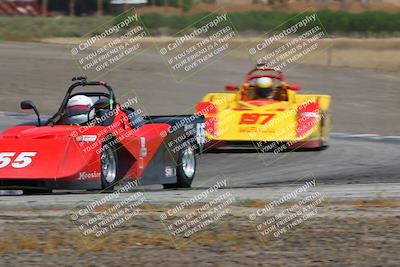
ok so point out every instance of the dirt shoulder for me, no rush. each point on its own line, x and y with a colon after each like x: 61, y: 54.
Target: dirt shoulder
x: 321, y: 226
x: 347, y: 233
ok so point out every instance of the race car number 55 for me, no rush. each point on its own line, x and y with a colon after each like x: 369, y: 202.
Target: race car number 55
x: 21, y: 161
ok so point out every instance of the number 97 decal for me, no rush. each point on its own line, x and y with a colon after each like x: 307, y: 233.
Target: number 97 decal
x: 21, y: 161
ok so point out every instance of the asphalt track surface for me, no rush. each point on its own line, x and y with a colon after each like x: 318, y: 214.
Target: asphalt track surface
x: 42, y: 72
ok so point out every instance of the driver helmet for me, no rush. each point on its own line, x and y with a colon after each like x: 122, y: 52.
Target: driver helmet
x: 78, y: 108
x: 264, y: 87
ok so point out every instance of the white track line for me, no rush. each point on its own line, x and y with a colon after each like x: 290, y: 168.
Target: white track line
x: 366, y: 136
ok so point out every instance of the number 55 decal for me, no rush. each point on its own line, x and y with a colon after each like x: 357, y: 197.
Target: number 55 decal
x: 21, y: 161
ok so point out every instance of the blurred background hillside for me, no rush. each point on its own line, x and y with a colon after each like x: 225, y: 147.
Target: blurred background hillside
x: 35, y: 19
x: 176, y: 7
x: 355, y: 28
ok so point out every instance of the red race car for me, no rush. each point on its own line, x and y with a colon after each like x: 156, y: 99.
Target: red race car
x: 92, y: 142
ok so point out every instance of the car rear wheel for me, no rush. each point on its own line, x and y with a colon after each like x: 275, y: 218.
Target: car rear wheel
x: 185, y: 170
x: 109, y: 167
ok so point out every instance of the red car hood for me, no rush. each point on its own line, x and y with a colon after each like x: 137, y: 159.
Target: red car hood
x: 52, y: 152
x: 30, y: 132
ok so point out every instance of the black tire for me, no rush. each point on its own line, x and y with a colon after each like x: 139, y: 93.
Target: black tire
x: 109, y: 165
x: 31, y: 192
x: 323, y: 145
x: 185, y: 170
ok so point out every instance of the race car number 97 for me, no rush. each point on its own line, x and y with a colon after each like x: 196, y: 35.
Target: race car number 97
x: 255, y: 118
x: 21, y: 161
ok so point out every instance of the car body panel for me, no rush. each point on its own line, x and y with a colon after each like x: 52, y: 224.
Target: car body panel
x: 233, y: 117
x: 69, y: 156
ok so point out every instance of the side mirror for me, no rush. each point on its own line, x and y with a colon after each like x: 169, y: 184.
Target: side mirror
x: 28, y: 104
x: 294, y: 87
x: 231, y: 88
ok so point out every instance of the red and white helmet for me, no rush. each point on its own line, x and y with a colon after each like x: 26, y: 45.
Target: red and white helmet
x: 77, y: 109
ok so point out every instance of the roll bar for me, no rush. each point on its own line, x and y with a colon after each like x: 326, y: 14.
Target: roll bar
x: 278, y: 76
x: 82, y: 81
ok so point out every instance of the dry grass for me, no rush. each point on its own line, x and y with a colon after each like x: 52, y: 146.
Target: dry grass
x: 118, y: 241
x: 366, y: 236
x: 376, y: 203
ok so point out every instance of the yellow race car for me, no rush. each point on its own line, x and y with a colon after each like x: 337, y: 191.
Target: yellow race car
x: 266, y: 111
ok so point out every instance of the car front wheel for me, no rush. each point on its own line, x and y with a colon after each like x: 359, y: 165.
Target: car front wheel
x: 108, y: 167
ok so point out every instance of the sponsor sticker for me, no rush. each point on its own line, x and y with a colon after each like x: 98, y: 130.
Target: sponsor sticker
x: 170, y: 171
x: 89, y: 175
